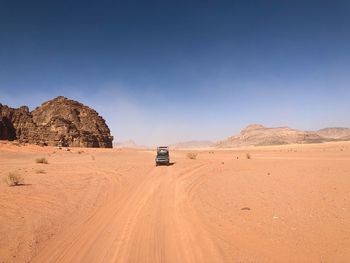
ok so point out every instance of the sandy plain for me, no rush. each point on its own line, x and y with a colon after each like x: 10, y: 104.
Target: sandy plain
x: 286, y: 203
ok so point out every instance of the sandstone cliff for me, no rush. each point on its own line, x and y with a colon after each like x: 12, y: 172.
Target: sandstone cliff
x: 58, y: 122
x: 16, y: 124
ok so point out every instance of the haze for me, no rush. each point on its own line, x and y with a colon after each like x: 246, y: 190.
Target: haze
x: 161, y: 72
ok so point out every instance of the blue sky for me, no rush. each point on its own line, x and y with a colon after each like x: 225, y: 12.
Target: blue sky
x: 167, y: 71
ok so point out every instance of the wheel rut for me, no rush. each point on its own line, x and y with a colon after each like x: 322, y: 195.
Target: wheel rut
x: 151, y: 220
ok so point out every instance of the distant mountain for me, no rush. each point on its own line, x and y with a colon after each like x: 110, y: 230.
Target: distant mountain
x: 345, y: 138
x: 257, y: 135
x: 192, y: 144
x: 335, y: 133
x: 127, y: 144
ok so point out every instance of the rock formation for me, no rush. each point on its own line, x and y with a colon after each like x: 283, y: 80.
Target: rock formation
x: 16, y: 124
x: 259, y: 135
x: 334, y: 133
x: 58, y: 122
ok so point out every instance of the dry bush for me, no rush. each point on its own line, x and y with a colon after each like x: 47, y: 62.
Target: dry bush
x: 41, y: 160
x: 247, y: 155
x: 191, y: 156
x: 13, y: 179
x: 40, y: 171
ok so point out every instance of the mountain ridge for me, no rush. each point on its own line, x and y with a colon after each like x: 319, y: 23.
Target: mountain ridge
x: 259, y: 135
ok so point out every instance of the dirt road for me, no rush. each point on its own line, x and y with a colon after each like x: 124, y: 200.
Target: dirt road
x: 287, y: 204
x: 148, y: 221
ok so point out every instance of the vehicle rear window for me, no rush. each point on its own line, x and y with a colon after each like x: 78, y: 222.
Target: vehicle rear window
x: 163, y: 152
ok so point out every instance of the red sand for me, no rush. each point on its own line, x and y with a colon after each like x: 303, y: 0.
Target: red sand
x: 285, y: 204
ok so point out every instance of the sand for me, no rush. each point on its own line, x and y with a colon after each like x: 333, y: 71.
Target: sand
x: 285, y: 204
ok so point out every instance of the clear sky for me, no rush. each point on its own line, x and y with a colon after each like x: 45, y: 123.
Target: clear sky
x: 167, y: 71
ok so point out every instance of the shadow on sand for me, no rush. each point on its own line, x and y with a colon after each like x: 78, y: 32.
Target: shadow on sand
x: 16, y: 185
x: 170, y: 164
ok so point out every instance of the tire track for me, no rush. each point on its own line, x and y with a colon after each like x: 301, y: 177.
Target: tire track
x: 150, y: 220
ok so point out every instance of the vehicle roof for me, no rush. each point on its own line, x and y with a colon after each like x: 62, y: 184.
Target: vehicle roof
x: 162, y: 149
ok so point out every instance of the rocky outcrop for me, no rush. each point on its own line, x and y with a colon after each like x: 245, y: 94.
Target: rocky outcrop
x: 70, y: 123
x: 258, y: 135
x: 16, y: 124
x: 7, y: 131
x: 335, y: 133
x: 58, y: 122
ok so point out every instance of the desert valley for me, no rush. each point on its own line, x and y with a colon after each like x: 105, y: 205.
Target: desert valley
x: 285, y: 203
x: 265, y: 195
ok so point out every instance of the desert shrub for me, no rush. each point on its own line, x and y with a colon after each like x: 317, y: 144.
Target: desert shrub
x: 40, y: 171
x: 13, y: 179
x: 191, y: 156
x: 41, y: 160
x: 247, y: 155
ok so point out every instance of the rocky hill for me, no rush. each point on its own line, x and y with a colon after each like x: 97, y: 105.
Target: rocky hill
x: 258, y: 135
x: 58, y: 122
x: 334, y: 133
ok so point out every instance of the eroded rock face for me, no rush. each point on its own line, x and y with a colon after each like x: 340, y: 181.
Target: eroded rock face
x: 334, y: 132
x: 58, y: 122
x: 16, y: 124
x: 258, y: 135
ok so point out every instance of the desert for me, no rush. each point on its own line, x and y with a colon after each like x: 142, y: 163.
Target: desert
x: 285, y: 203
x: 174, y: 131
